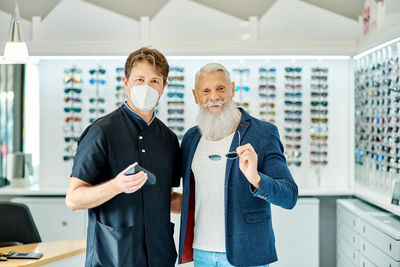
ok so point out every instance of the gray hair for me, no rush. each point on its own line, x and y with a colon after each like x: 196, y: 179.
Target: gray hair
x: 212, y: 67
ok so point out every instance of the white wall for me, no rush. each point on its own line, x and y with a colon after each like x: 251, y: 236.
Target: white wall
x: 187, y: 20
x: 78, y: 20
x: 297, y: 20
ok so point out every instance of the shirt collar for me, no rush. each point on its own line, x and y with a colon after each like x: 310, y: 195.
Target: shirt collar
x: 137, y: 116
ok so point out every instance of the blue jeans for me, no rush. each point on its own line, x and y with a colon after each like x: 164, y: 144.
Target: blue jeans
x: 204, y: 258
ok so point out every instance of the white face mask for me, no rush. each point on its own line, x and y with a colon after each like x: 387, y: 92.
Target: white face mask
x: 144, y: 97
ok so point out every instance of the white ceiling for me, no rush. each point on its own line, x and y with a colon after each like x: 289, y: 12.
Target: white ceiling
x: 134, y: 9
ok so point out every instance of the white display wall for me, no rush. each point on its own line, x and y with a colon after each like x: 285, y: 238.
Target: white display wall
x: 54, y: 171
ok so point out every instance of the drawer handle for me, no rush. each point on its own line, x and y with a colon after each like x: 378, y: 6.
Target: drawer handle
x: 363, y: 229
x: 364, y: 247
x: 390, y: 246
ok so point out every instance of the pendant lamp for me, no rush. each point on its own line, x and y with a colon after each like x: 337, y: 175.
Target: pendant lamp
x: 15, y: 50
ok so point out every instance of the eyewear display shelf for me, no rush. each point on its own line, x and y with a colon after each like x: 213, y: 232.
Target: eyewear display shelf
x: 377, y: 122
x: 270, y: 90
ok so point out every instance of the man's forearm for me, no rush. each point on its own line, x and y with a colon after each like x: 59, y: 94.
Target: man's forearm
x: 176, y: 202
x: 87, y: 197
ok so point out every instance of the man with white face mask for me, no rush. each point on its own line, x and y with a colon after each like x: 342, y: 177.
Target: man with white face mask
x: 129, y: 220
x: 233, y: 169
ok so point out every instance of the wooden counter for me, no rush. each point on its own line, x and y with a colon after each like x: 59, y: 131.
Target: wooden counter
x: 52, y: 251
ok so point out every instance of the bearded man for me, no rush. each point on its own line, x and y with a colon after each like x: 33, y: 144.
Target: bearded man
x: 233, y: 170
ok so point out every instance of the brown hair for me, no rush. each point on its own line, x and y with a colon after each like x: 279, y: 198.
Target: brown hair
x: 151, y: 56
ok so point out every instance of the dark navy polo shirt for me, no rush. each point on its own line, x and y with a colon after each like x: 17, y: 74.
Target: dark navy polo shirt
x: 130, y: 229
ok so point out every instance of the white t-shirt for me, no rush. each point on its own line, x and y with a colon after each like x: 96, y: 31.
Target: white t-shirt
x: 209, y: 175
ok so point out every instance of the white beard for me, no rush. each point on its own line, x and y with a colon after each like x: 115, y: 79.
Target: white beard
x: 218, y: 125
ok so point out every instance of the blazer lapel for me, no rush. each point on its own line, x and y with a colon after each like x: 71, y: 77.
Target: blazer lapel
x: 241, y: 129
x: 192, y: 150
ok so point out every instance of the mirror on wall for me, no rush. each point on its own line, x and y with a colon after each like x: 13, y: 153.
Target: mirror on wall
x: 12, y: 80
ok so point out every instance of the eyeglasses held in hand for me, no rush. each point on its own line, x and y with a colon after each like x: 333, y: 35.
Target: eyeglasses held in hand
x: 74, y: 90
x: 229, y: 155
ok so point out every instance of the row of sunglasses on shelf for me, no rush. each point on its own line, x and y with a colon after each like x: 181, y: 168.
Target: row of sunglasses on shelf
x: 175, y: 93
x: 266, y: 92
x: 292, y: 101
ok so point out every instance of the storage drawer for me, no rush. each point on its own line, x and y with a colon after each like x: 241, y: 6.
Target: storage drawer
x: 348, y: 234
x: 345, y: 249
x: 364, y: 262
x: 348, y: 217
x: 343, y: 261
x: 375, y: 255
x: 377, y: 234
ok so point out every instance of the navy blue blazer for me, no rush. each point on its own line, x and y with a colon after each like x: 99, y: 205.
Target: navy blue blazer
x: 249, y: 237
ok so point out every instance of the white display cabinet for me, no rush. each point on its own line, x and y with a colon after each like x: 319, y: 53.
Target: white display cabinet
x: 53, y: 219
x: 349, y: 226
x: 380, y: 239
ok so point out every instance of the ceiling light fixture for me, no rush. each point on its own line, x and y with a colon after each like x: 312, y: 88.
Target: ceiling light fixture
x: 15, y: 50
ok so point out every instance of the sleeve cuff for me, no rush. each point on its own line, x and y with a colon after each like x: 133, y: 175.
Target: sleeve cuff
x: 260, y: 192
